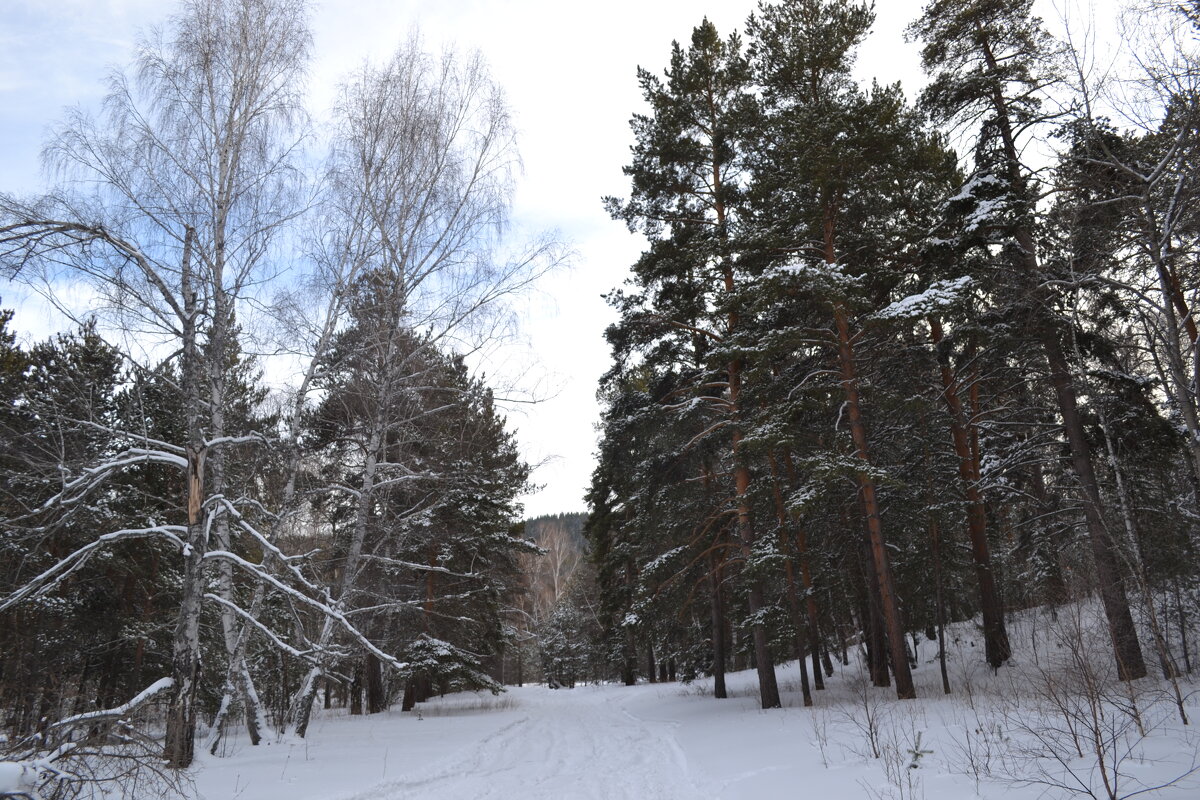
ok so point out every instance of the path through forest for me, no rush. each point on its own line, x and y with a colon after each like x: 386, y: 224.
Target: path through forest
x: 570, y: 743
x: 529, y: 743
x: 675, y: 742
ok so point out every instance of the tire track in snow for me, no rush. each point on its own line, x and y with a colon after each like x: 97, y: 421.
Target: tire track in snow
x: 572, y: 745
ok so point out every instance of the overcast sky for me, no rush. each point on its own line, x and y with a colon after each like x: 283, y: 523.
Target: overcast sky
x: 569, y: 72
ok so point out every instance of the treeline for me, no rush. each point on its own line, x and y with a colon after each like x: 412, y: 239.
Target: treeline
x: 169, y: 529
x: 555, y: 619
x: 864, y: 385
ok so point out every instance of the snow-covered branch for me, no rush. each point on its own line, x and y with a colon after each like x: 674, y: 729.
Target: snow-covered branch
x: 329, y: 611
x: 117, y: 712
x: 396, y: 562
x: 93, y: 476
x: 68, y: 565
x: 247, y: 617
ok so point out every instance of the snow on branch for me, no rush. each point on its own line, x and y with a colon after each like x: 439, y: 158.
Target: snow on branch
x: 971, y: 188
x: 67, y: 566
x: 329, y: 611
x: 396, y: 562
x: 158, y: 687
x: 383, y: 484
x: 939, y: 295
x: 398, y: 605
x: 89, y: 759
x: 304, y: 655
x: 254, y: 437
x: 816, y: 276
x: 93, y: 476
x: 264, y: 542
x: 125, y: 434
x: 716, y: 426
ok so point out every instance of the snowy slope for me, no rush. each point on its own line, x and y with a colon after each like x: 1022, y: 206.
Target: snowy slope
x: 989, y: 739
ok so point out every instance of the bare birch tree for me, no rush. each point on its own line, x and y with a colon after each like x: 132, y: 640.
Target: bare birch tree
x: 170, y: 204
x: 421, y: 178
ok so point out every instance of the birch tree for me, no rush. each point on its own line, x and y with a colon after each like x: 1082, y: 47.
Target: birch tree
x: 421, y: 177
x: 1152, y: 160
x: 170, y: 203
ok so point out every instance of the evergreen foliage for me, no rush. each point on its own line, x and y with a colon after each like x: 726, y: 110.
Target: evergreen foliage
x: 938, y: 384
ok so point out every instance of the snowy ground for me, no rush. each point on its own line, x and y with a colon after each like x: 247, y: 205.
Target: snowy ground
x: 992, y: 738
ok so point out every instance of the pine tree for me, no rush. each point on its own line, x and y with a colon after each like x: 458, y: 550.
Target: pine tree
x: 419, y: 494
x: 688, y: 163
x: 836, y: 177
x: 988, y: 60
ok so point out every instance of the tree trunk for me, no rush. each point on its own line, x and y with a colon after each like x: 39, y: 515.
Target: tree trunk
x: 1183, y: 623
x: 1175, y: 308
x: 410, y: 694
x: 936, y: 551
x: 874, y: 634
x: 424, y: 687
x: 629, y: 661
x: 716, y: 560
x: 718, y: 628
x: 828, y: 662
x: 768, y: 688
x: 1105, y: 555
x: 810, y: 600
x: 997, y: 649
x: 180, y: 742
x: 889, y: 604
x: 302, y: 708
x: 356, y: 694
x: 1105, y: 552
x: 799, y: 635
x: 376, y: 698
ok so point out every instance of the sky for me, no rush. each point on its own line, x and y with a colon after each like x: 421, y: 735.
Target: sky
x: 569, y: 71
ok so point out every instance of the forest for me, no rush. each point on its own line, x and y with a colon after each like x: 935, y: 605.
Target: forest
x: 888, y: 368
x: 888, y: 365
x: 183, y: 551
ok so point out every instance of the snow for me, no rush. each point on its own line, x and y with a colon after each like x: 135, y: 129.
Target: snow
x: 17, y: 777
x: 158, y: 687
x: 672, y: 740
x: 816, y: 274
x: 589, y: 742
x: 984, y: 213
x: 972, y: 186
x: 663, y: 559
x: 939, y: 295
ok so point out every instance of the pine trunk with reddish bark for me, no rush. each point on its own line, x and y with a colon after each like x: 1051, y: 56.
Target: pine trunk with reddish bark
x: 997, y: 649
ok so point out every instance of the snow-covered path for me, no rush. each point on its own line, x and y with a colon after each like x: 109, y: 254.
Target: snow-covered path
x: 530, y: 743
x: 566, y: 744
x: 675, y: 742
